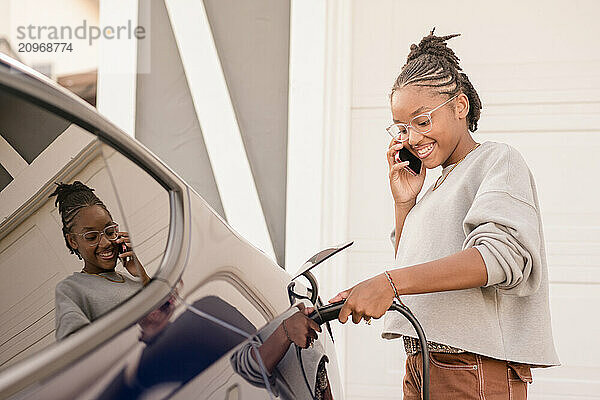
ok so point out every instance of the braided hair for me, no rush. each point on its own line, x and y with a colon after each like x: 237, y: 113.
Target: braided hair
x: 432, y: 63
x: 70, y: 198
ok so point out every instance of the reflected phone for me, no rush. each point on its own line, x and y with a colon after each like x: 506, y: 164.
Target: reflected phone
x: 122, y: 248
x: 414, y: 162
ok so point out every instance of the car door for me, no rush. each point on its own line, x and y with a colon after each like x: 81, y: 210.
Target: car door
x: 190, y: 332
x: 42, y: 144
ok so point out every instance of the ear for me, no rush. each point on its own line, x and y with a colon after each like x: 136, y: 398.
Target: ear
x: 72, y: 242
x: 462, y: 106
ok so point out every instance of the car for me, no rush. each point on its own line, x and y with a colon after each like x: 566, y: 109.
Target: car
x: 212, y: 301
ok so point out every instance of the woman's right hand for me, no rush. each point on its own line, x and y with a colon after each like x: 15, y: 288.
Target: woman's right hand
x: 404, y: 184
x: 301, y: 329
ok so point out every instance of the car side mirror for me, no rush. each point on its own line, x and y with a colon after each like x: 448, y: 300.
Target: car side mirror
x: 305, y: 270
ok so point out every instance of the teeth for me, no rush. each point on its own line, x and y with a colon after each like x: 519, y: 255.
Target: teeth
x: 425, y: 150
x: 106, y: 253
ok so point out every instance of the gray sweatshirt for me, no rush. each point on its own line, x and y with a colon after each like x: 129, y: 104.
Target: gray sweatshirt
x: 488, y: 202
x: 81, y: 298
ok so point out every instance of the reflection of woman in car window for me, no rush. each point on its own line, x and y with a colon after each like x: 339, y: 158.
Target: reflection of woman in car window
x: 91, y: 234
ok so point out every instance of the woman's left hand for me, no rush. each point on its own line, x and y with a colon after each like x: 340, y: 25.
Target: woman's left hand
x: 133, y: 264
x: 366, y: 300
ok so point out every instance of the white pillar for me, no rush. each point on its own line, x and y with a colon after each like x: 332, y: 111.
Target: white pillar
x: 319, y: 141
x: 117, y: 64
x: 304, y: 198
x: 336, y: 150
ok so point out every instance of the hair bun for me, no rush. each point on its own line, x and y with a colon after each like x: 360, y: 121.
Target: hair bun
x: 435, y: 46
x: 64, y: 190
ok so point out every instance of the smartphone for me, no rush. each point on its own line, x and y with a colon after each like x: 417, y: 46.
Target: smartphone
x: 122, y: 248
x: 414, y: 162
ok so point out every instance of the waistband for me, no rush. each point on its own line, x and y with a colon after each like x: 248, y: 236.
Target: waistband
x: 413, y: 346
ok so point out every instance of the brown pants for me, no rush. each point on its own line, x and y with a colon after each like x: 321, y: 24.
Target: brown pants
x: 466, y: 376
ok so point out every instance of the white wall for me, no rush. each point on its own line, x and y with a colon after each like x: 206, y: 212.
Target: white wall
x: 4, y: 18
x: 115, y: 60
x: 83, y: 58
x: 536, y: 69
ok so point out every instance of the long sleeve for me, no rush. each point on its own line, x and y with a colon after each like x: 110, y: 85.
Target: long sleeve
x: 246, y: 366
x: 68, y: 315
x: 506, y: 231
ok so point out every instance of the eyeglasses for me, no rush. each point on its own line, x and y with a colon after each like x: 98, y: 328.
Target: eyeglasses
x: 421, y: 124
x: 93, y: 237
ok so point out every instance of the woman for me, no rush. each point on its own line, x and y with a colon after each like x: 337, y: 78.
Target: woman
x: 471, y: 251
x: 91, y: 234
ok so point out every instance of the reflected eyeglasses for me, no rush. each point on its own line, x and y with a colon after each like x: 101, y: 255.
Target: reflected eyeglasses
x: 93, y: 237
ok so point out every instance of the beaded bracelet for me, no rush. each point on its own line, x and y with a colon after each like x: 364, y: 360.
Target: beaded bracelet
x: 396, y: 295
x: 286, y: 332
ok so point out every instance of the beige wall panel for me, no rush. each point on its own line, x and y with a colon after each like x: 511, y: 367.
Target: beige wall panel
x: 536, y: 69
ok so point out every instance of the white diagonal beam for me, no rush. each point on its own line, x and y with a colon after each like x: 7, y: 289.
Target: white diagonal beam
x: 10, y: 159
x: 217, y: 119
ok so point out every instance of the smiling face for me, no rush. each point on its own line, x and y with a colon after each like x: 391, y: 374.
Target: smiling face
x: 448, y: 138
x: 100, y: 257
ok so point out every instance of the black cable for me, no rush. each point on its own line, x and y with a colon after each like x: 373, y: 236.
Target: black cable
x: 401, y: 308
x: 299, y: 355
x: 330, y: 312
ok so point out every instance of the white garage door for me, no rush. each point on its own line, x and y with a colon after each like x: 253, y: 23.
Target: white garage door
x: 536, y: 67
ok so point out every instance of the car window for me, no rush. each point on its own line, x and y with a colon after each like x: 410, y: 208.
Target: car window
x: 56, y: 259
x: 186, y: 346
